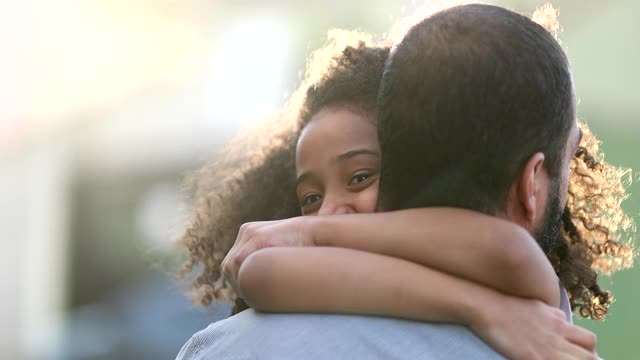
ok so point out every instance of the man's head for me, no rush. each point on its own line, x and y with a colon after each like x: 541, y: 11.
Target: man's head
x: 477, y: 110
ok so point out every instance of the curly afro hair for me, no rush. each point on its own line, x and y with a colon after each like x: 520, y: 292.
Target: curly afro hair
x: 596, y: 234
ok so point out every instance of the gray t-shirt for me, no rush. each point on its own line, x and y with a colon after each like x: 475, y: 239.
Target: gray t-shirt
x: 565, y: 304
x: 253, y: 335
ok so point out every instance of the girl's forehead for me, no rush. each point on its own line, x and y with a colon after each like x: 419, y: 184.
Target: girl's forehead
x: 337, y: 128
x: 340, y: 122
x: 331, y: 133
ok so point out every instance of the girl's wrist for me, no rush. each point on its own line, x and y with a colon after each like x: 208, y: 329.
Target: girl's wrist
x: 479, y: 312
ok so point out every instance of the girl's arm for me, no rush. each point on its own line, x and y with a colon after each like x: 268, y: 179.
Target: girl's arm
x: 481, y: 248
x: 467, y: 244
x: 338, y: 280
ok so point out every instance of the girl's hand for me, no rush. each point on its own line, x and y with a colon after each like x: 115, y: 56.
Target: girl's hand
x: 253, y: 236
x: 529, y: 329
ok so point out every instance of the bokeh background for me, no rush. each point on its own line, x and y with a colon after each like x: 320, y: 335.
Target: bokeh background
x: 105, y: 104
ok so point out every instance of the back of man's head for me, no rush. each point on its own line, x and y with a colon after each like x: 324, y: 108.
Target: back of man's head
x: 467, y: 97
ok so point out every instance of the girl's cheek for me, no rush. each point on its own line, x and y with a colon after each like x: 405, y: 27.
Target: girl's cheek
x: 367, y: 200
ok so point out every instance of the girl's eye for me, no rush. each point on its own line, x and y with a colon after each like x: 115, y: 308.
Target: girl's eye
x: 359, y: 179
x: 310, y: 199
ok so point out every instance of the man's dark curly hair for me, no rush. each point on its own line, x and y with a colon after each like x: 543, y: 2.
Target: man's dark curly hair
x: 253, y: 179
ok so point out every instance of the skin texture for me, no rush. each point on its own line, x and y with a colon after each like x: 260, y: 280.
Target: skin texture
x: 391, y: 245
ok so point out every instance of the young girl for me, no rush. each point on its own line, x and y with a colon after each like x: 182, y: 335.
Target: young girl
x: 342, y: 178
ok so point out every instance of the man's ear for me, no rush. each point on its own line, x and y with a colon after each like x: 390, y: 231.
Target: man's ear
x: 529, y: 186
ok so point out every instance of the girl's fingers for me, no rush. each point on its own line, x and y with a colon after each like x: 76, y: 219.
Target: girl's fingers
x: 231, y: 263
x: 582, y: 337
x: 575, y: 352
x: 242, y: 247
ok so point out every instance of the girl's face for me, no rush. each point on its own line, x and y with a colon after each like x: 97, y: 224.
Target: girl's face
x: 338, y: 163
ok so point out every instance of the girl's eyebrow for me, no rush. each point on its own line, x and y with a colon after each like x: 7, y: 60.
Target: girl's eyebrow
x: 342, y: 157
x: 302, y: 177
x: 349, y: 154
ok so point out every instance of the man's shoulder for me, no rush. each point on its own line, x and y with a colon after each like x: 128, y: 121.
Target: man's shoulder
x: 253, y: 335
x: 250, y: 334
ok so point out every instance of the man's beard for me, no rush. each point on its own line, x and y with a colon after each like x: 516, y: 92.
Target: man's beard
x: 547, y: 234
